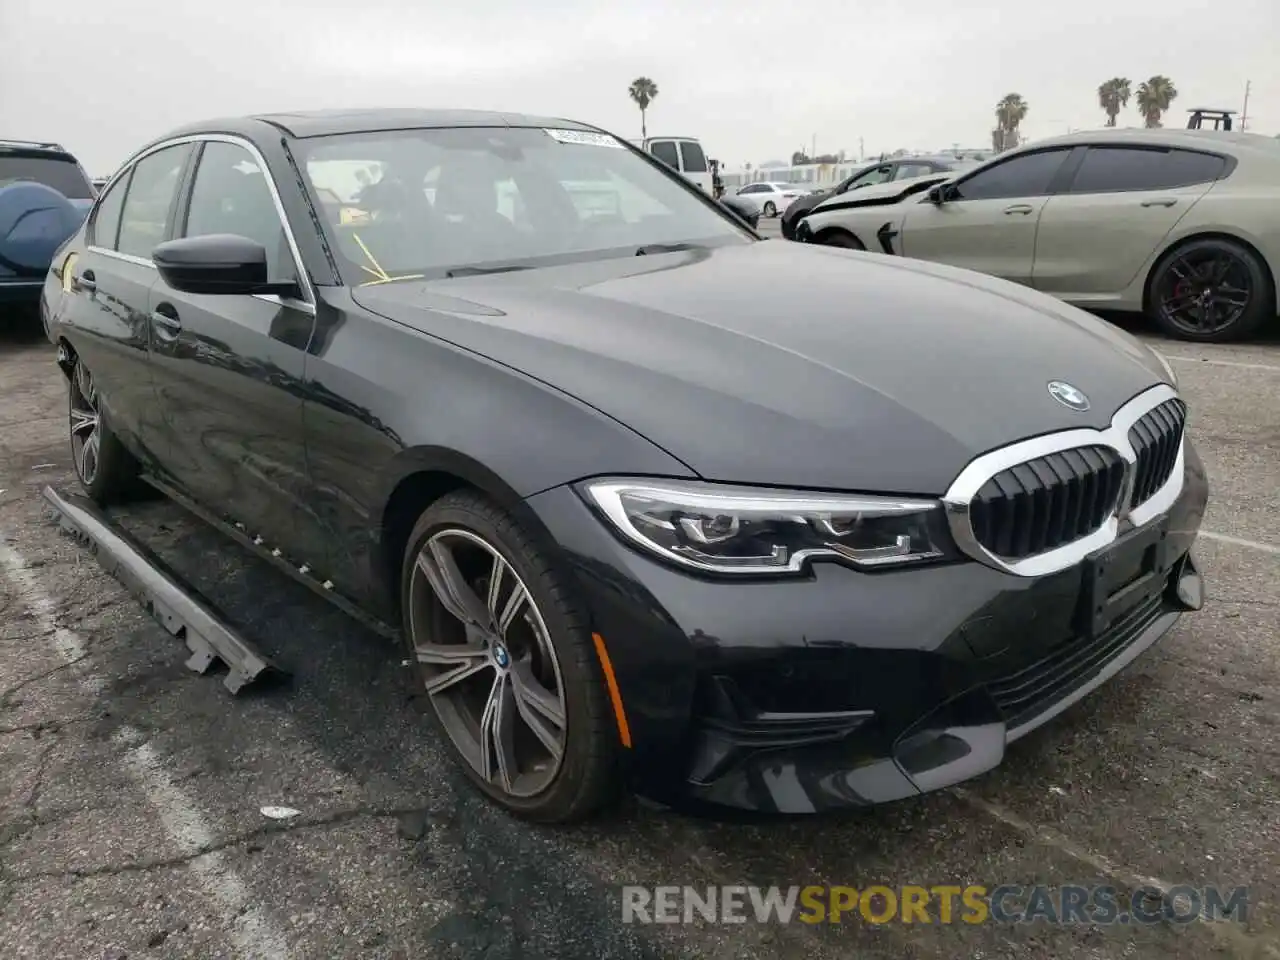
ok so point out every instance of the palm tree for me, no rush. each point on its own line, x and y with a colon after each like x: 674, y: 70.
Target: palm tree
x: 643, y: 91
x: 1154, y: 98
x: 1113, y: 96
x: 1010, y: 112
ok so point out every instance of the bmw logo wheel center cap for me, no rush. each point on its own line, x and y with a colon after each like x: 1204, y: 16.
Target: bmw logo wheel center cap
x: 500, y: 656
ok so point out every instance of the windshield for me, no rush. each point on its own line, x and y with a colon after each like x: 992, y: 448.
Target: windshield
x: 425, y: 203
x: 60, y: 172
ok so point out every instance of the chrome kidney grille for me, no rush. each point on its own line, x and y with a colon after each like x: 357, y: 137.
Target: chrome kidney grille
x: 1157, y: 440
x: 1043, y: 504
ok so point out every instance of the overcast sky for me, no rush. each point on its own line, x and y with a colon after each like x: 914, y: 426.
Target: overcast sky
x: 753, y: 79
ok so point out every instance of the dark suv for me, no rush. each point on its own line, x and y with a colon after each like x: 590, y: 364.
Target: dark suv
x: 44, y: 196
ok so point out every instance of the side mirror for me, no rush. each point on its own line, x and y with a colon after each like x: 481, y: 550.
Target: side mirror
x: 217, y: 264
x: 937, y: 194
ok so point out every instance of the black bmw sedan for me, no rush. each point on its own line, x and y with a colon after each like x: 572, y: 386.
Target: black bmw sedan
x: 500, y: 384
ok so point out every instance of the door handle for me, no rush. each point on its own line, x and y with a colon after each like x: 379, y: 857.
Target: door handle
x: 1022, y: 208
x: 166, y: 323
x: 1162, y: 202
x: 85, y: 282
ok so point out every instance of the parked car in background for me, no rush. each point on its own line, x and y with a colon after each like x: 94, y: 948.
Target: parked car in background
x: 44, y: 195
x: 607, y: 474
x: 682, y: 154
x: 1180, y: 225
x: 769, y: 199
x: 904, y: 168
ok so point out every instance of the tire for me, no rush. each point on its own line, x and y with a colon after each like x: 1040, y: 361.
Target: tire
x: 107, y: 471
x: 1216, y: 269
x: 472, y: 530
x: 840, y: 238
x: 769, y: 209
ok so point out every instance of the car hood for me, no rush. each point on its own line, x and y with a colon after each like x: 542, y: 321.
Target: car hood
x: 892, y: 191
x: 788, y: 364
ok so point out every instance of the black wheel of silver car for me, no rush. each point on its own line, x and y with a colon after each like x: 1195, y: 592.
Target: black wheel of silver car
x: 840, y: 238
x: 507, y: 662
x: 1211, y: 290
x: 105, y: 468
x: 769, y: 209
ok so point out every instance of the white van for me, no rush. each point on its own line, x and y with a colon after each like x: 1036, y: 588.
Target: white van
x: 683, y: 154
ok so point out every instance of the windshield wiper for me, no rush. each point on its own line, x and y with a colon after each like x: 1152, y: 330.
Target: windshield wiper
x: 479, y: 271
x: 667, y: 248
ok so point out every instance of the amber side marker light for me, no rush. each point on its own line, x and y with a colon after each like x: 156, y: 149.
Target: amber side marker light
x: 611, y: 681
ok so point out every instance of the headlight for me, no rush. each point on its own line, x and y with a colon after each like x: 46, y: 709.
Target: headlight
x: 740, y: 530
x: 1164, y: 363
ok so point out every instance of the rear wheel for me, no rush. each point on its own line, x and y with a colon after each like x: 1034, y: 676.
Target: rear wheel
x: 770, y: 210
x: 1211, y: 291
x: 508, y: 662
x: 840, y: 238
x: 107, y: 471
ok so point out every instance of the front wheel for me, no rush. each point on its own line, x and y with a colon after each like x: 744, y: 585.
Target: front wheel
x: 507, y: 662
x: 769, y: 209
x: 107, y: 471
x: 1211, y: 291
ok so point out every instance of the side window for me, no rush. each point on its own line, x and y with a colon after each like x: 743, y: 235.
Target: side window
x: 665, y: 150
x: 906, y: 171
x: 1026, y: 175
x: 1117, y: 169
x: 750, y: 188
x: 152, y: 189
x: 230, y: 195
x: 106, y: 216
x: 876, y: 175
x: 695, y: 161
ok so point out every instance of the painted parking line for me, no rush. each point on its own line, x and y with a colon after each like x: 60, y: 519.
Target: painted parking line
x: 1240, y: 542
x: 251, y: 930
x: 1274, y: 368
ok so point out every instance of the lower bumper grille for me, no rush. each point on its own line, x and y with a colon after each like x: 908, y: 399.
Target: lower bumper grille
x: 1029, y: 691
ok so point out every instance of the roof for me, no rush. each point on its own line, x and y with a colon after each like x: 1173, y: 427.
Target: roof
x: 320, y: 123
x: 1162, y: 136
x: 30, y: 146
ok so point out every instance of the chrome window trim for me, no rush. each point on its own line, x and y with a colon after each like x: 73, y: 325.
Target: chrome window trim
x: 973, y: 477
x: 308, y: 303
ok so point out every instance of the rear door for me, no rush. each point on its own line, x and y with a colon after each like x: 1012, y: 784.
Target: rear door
x: 989, y: 221
x: 229, y: 369
x: 1096, y: 235
x: 105, y: 313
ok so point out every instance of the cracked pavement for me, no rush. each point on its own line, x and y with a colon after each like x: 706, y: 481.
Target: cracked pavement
x: 131, y: 789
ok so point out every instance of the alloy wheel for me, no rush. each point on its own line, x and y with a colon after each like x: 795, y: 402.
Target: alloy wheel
x: 1205, y: 291
x: 488, y: 662
x: 86, y: 435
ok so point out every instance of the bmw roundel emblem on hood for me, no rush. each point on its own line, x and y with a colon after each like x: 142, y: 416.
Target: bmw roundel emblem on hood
x: 1068, y: 396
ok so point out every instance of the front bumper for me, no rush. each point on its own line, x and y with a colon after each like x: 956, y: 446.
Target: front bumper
x: 848, y: 688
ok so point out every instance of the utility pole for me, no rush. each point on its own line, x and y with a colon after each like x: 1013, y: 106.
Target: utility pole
x: 862, y: 150
x: 1244, y: 114
x: 813, y: 148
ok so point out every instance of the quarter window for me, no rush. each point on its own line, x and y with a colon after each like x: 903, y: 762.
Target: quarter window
x: 1026, y: 175
x: 1118, y: 169
x: 230, y: 195
x: 152, y: 189
x: 106, y: 216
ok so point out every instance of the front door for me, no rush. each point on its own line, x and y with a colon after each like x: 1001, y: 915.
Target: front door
x: 229, y: 369
x: 989, y: 219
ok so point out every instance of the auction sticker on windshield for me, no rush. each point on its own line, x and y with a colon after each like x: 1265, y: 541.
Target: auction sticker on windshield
x: 585, y: 137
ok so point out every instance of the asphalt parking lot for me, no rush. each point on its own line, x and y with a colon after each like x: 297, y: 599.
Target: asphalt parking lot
x: 131, y: 789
